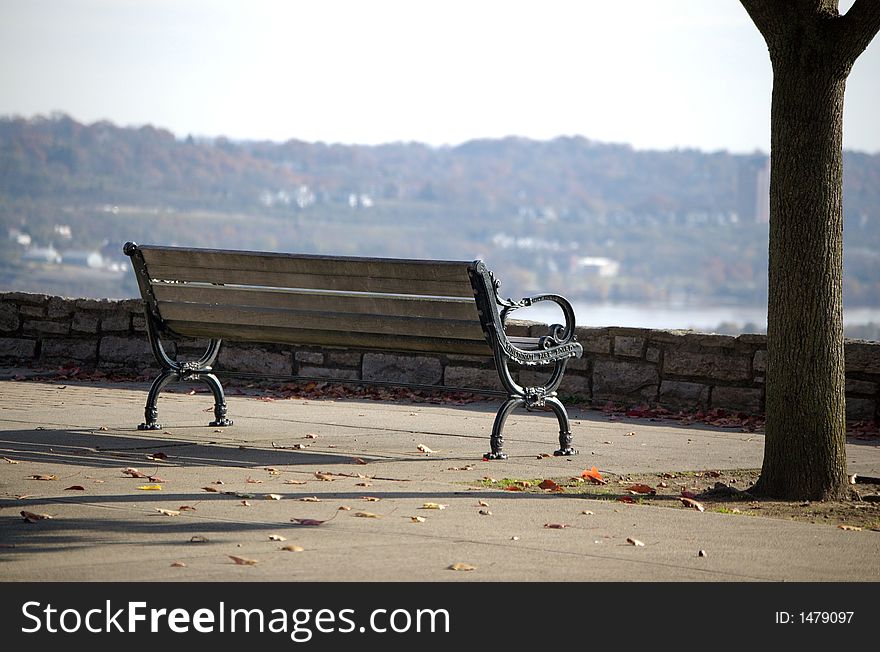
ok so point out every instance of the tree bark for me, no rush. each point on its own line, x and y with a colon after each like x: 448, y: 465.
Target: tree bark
x: 812, y: 50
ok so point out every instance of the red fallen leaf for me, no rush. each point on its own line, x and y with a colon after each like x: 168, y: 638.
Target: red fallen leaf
x: 556, y: 526
x: 156, y: 479
x: 513, y: 487
x: 76, y: 487
x: 626, y: 499
x: 690, y: 502
x: 594, y: 476
x: 134, y: 473
x: 358, y: 460
x: 641, y: 489
x: 307, y: 521
x: 549, y: 484
x: 184, y: 508
x: 688, y: 494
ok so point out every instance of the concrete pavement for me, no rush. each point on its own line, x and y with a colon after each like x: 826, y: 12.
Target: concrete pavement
x: 85, y: 435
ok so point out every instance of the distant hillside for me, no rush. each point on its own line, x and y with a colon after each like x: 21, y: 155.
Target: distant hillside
x: 680, y: 225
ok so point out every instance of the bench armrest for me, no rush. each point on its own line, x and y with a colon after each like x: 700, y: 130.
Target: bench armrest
x: 558, y: 334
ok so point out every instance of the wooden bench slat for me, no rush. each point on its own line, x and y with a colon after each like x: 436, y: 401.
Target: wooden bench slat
x: 409, y: 270
x: 306, y: 337
x: 428, y: 287
x: 326, y: 301
x: 300, y: 319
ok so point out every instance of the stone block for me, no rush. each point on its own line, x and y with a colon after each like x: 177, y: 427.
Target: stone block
x: 47, y: 327
x: 309, y: 357
x: 423, y: 370
x: 9, y: 320
x: 254, y: 360
x: 652, y: 354
x: 759, y: 362
x: 862, y: 357
x: 854, y: 386
x: 630, y: 347
x: 715, y: 365
x: 678, y: 393
x: 738, y: 399
x: 621, y: 379
x: 96, y: 304
x: 571, y: 383
x: 17, y: 349
x: 84, y: 322
x: 32, y: 311
x: 344, y: 358
x: 138, y: 323
x: 329, y: 372
x: 85, y: 350
x: 118, y: 320
x: 472, y: 378
x: 115, y: 349
x: 860, y: 409
x: 26, y: 298
x: 60, y: 307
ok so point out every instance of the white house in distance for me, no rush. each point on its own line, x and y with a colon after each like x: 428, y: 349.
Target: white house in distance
x: 596, y: 266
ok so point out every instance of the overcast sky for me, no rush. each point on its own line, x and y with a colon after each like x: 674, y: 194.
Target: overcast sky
x: 656, y: 74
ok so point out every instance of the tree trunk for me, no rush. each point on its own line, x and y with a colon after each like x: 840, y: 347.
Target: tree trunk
x: 812, y: 49
x: 804, y: 453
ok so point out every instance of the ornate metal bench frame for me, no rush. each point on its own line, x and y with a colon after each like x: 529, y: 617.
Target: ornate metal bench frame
x: 554, y: 349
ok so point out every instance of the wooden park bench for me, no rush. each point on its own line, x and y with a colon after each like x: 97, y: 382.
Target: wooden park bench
x: 418, y: 306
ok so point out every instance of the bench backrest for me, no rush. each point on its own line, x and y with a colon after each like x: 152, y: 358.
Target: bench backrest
x: 370, y: 303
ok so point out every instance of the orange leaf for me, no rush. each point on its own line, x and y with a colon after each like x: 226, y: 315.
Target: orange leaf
x: 549, y: 484
x: 513, y: 487
x: 243, y: 561
x: 594, y: 476
x: 641, y: 489
x: 625, y: 499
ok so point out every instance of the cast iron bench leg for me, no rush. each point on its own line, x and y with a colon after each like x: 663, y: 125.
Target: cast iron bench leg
x: 151, y: 411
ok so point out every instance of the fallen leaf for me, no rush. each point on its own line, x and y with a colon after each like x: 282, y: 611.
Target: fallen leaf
x: 663, y: 485
x: 134, y: 473
x: 358, y: 460
x: 167, y: 512
x: 485, y: 512
x: 371, y: 499
x: 178, y: 564
x: 364, y: 484
x: 630, y: 434
x: 634, y: 542
x: 323, y: 476
x: 433, y: 506
x: 851, y: 528
x: 31, y: 517
x: 153, y: 457
x: 690, y: 502
x: 218, y: 482
x: 307, y: 521
x: 185, y: 508
x: 311, y: 435
x: 483, y: 503
x: 512, y: 487
x: 252, y: 481
x: 198, y: 538
x: 9, y: 461
x: 626, y: 499
x: 344, y: 508
x: 424, y: 448
x: 45, y: 476
x: 277, y: 537
x: 587, y: 512
x: 211, y: 489
x: 514, y: 538
x: 594, y: 476
x: 243, y: 561
x: 310, y: 499
x: 556, y: 526
x: 641, y: 489
x: 294, y: 482
x: 459, y: 566
x: 367, y: 515
x: 75, y: 487
x: 292, y: 548
x: 272, y: 470
x: 150, y: 487
x: 245, y: 503
x: 273, y: 496
x: 550, y: 485
x: 417, y: 519
x: 701, y: 553
x: 688, y: 494
x: 238, y: 494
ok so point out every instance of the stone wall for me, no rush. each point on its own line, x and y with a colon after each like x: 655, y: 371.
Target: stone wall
x: 630, y: 366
